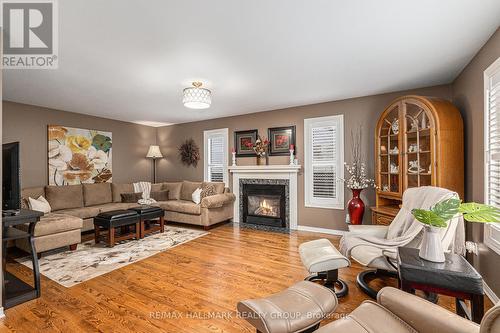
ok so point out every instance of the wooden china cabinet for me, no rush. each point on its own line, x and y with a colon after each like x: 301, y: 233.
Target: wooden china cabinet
x: 418, y: 142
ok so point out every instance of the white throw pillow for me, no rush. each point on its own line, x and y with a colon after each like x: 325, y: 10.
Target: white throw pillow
x: 41, y: 204
x: 196, y: 196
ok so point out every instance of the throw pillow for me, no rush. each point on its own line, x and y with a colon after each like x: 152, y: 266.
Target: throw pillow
x: 41, y: 204
x: 159, y: 195
x: 196, y: 196
x: 131, y: 197
x: 208, y: 190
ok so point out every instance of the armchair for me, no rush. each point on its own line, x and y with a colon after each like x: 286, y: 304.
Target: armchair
x: 375, y: 246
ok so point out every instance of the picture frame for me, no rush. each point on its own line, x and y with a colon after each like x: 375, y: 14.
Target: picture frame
x: 280, y: 139
x: 241, y: 138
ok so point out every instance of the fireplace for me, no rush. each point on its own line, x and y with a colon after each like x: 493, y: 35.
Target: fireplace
x: 264, y: 204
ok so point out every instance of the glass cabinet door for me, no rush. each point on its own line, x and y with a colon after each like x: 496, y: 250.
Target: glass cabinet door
x: 389, y: 152
x: 419, y: 132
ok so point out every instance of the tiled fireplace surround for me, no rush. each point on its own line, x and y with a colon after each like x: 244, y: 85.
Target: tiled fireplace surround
x: 269, y: 175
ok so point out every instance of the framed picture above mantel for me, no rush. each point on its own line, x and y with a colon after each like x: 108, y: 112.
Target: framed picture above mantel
x: 280, y: 140
x: 244, y: 141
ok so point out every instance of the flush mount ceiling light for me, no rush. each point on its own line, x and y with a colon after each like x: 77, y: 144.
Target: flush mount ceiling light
x: 196, y: 97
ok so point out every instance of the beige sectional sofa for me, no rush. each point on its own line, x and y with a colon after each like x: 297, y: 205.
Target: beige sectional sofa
x: 75, y: 206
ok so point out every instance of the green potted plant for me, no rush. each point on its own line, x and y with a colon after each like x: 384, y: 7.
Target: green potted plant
x: 438, y: 216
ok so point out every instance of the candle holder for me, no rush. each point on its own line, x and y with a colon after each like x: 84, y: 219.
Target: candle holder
x: 234, y: 158
x: 291, y: 156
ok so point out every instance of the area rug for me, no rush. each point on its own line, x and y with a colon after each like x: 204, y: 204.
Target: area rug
x: 70, y: 268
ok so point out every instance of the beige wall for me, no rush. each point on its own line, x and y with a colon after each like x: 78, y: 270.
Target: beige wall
x: 364, y: 111
x: 28, y: 124
x: 468, y: 96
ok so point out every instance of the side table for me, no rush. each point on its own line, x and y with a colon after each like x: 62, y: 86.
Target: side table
x: 16, y: 291
x: 455, y: 277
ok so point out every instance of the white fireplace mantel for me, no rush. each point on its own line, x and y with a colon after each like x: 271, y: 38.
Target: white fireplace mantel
x: 267, y: 172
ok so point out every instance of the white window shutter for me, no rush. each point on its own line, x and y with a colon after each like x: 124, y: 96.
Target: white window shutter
x: 215, y: 157
x: 323, y: 143
x: 492, y: 148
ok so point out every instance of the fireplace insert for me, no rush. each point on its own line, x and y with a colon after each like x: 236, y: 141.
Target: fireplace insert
x: 264, y: 204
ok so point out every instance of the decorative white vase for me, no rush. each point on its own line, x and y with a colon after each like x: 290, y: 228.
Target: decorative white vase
x: 432, y: 249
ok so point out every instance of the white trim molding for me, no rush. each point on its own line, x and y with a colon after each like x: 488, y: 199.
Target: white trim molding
x: 491, y: 295
x: 288, y: 172
x: 321, y: 230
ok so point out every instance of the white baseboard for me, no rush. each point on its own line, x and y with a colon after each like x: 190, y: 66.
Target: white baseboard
x: 321, y: 230
x: 491, y: 295
x: 2, y: 314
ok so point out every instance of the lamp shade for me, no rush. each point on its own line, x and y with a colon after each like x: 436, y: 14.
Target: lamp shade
x: 154, y: 152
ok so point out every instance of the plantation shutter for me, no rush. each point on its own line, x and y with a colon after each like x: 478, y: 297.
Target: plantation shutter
x: 324, y: 161
x: 493, y: 140
x: 215, y: 157
x: 492, y: 149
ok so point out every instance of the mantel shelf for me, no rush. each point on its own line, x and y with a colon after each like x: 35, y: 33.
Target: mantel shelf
x: 264, y: 168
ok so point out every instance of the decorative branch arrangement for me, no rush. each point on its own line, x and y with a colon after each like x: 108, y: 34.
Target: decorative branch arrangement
x: 358, y: 178
x: 189, y: 153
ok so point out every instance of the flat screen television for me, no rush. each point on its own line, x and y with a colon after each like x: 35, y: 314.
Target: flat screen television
x: 11, y: 180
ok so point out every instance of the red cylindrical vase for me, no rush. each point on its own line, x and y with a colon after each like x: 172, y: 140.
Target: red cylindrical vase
x: 356, y: 207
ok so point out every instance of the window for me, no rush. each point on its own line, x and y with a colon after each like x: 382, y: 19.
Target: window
x: 324, y: 162
x: 492, y: 148
x: 215, y: 155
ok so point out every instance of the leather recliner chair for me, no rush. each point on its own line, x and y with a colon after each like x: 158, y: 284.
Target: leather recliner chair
x: 396, y: 312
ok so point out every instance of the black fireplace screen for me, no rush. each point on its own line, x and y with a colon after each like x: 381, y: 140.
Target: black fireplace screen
x: 264, y: 204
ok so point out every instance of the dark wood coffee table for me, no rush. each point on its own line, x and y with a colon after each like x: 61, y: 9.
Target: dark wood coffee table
x: 455, y: 277
x: 109, y: 221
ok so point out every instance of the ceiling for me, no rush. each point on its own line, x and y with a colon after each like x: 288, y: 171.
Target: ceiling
x: 130, y: 60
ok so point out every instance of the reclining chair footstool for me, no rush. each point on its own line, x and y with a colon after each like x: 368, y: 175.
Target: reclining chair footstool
x: 323, y: 261
x: 300, y: 308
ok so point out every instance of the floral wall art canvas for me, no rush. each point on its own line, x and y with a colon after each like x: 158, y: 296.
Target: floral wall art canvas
x: 79, y: 156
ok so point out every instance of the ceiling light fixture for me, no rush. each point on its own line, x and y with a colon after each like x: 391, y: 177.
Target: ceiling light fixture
x: 196, y: 97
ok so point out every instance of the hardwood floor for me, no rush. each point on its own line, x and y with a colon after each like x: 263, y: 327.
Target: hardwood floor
x: 193, y: 287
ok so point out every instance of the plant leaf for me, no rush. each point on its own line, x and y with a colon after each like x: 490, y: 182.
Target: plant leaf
x: 429, y: 217
x: 474, y: 212
x: 447, y: 209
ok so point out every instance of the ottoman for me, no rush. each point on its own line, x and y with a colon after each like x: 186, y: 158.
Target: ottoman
x: 323, y: 261
x: 147, y: 214
x: 299, y: 308
x: 111, y: 220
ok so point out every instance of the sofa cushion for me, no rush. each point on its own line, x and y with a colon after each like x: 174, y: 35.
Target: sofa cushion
x: 219, y: 186
x: 131, y: 197
x: 82, y: 212
x: 207, y: 190
x: 188, y: 188
x: 156, y: 187
x: 174, y: 190
x: 181, y: 206
x: 160, y: 195
x: 118, y: 189
x: 97, y: 194
x: 115, y: 206
x: 54, y: 223
x: 64, y: 197
x: 31, y: 192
